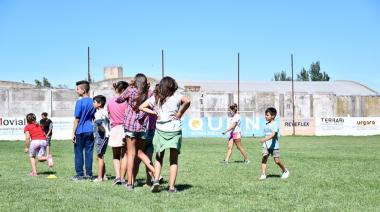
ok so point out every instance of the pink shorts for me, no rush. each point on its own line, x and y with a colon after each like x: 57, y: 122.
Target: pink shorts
x: 37, y: 148
x: 235, y: 135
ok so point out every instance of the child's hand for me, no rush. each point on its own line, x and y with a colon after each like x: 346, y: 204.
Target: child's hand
x: 262, y: 140
x: 73, y: 139
x: 26, y: 150
x: 177, y: 116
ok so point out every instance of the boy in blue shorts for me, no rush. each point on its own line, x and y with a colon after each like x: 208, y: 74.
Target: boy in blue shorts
x: 83, y: 137
x: 271, y: 144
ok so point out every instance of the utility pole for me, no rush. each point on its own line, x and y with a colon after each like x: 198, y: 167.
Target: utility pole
x: 293, y: 122
x: 88, y: 65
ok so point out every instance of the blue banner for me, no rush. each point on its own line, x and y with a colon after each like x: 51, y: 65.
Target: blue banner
x: 214, y: 126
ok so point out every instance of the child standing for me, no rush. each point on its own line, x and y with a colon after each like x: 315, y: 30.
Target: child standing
x: 35, y: 143
x: 116, y: 141
x: 135, y: 123
x: 83, y: 137
x: 271, y: 144
x: 47, y: 126
x: 102, y: 134
x: 235, y: 135
x: 169, y: 106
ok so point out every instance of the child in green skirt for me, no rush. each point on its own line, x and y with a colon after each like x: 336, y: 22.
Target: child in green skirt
x: 169, y: 106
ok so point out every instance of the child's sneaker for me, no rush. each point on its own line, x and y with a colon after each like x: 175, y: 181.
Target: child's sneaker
x: 97, y: 180
x: 246, y: 161
x: 224, y: 162
x: 50, y: 161
x: 263, y: 177
x: 172, y: 190
x: 105, y: 178
x: 285, y: 174
x: 32, y: 174
x: 156, y: 186
x: 129, y: 187
x: 117, y: 181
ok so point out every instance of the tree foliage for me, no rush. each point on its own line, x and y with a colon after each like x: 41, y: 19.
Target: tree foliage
x: 281, y: 76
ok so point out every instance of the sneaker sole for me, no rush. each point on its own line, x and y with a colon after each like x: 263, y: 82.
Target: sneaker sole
x: 155, y: 188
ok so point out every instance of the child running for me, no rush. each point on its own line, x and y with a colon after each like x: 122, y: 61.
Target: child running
x: 135, y: 123
x: 271, y: 144
x: 169, y: 106
x: 35, y: 143
x: 102, y: 133
x: 116, y: 141
x: 235, y: 135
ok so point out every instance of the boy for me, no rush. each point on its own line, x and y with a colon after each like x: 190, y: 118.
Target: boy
x: 83, y: 137
x: 271, y: 144
x: 102, y: 133
x: 47, y: 126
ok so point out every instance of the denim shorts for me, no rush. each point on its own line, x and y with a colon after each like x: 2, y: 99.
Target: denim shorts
x: 136, y: 135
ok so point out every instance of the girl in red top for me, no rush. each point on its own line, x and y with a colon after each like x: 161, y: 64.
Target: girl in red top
x: 35, y: 143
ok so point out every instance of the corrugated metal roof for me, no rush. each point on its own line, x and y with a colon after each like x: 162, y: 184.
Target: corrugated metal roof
x: 339, y: 88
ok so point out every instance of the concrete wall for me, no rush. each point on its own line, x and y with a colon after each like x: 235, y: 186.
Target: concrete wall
x: 17, y: 102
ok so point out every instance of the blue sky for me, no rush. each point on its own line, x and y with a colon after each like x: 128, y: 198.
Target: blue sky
x: 201, y: 39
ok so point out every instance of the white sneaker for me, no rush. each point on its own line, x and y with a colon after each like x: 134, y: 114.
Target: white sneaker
x: 263, y: 177
x: 285, y: 174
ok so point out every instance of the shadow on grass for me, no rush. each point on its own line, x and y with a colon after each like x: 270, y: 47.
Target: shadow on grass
x: 47, y: 172
x: 273, y: 176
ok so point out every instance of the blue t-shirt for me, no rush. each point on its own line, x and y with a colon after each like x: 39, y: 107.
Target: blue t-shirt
x: 84, y: 111
x: 274, y: 142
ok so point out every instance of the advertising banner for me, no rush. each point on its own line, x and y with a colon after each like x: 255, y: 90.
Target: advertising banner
x: 347, y: 126
x: 12, y: 128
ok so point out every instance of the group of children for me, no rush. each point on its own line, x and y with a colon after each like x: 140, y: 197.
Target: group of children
x: 270, y: 142
x: 137, y: 123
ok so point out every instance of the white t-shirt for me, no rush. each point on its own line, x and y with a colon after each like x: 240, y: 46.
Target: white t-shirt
x: 166, y: 113
x: 102, y: 114
x: 235, y: 119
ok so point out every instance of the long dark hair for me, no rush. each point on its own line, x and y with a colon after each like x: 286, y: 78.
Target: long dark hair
x: 31, y: 118
x: 167, y: 87
x: 120, y: 86
x: 142, y: 85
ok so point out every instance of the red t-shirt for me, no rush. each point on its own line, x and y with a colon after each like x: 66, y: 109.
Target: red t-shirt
x: 35, y: 131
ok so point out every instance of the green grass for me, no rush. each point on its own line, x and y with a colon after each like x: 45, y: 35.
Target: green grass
x: 326, y: 174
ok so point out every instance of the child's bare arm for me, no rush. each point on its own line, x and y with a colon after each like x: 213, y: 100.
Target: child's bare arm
x: 231, y: 127
x: 27, y: 141
x: 76, y: 121
x: 146, y: 108
x: 269, y: 137
x: 185, y: 104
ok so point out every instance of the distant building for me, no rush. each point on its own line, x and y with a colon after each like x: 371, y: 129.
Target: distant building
x: 112, y: 72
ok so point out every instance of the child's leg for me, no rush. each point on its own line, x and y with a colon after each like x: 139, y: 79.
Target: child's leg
x: 78, y: 154
x: 241, y: 149
x: 142, y: 156
x: 100, y: 166
x: 264, y: 164
x: 158, y: 165
x: 131, y: 149
x: 173, y: 167
x: 229, y: 149
x: 148, y: 173
x: 33, y: 164
x: 124, y: 159
x: 136, y: 167
x: 116, y: 151
x: 279, y: 163
x: 89, y: 152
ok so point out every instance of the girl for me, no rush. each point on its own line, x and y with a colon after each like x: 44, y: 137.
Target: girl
x: 35, y: 143
x: 135, y: 123
x: 169, y: 106
x: 116, y: 141
x: 235, y: 135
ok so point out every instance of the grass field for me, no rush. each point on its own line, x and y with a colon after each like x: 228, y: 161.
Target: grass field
x: 326, y: 174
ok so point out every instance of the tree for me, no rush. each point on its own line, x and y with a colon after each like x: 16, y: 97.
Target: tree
x: 281, y: 76
x: 62, y: 86
x: 46, y: 82
x: 303, y: 76
x: 38, y: 83
x: 315, y: 73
